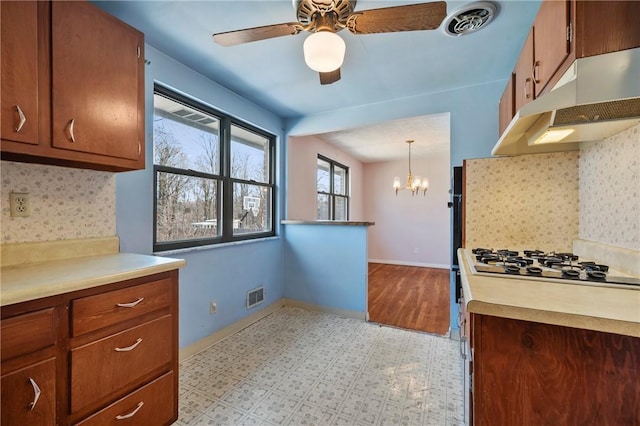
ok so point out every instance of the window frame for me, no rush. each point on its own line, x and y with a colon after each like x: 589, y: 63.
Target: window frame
x: 332, y: 194
x: 224, y: 181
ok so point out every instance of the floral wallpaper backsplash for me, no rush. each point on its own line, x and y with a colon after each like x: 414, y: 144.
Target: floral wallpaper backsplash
x: 610, y: 190
x: 65, y: 203
x: 524, y: 202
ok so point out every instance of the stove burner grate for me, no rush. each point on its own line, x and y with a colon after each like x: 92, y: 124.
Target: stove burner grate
x: 571, y: 273
x: 512, y: 269
x: 536, y: 264
x: 534, y: 270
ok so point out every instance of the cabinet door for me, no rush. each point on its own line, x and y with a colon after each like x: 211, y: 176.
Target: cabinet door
x: 551, y: 45
x: 97, y: 79
x: 19, y: 47
x: 29, y: 395
x: 620, y: 18
x: 523, y: 82
x: 528, y: 373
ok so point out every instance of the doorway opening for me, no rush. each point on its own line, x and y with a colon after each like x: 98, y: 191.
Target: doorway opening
x: 409, y: 297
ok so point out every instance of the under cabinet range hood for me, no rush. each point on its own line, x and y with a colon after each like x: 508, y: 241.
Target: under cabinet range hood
x: 596, y: 98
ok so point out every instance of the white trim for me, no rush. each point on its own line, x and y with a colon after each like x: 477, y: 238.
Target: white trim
x: 421, y: 265
x: 327, y: 310
x: 211, y: 339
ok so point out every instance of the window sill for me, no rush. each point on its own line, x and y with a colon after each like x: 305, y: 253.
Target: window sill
x: 213, y: 246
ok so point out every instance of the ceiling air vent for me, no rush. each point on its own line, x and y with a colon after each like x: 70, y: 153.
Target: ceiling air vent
x: 469, y: 18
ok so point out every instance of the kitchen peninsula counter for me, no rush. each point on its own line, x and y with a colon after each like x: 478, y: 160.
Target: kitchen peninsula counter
x: 53, y: 269
x: 326, y: 222
x: 612, y: 310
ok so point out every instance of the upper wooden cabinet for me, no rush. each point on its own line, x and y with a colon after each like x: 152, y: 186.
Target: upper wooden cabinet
x: 524, y: 87
x: 85, y: 70
x: 551, y: 33
x: 95, y: 93
x: 605, y: 26
x: 564, y: 31
x: 19, y: 47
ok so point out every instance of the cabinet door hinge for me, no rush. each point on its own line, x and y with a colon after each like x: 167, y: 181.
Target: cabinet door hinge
x: 570, y: 33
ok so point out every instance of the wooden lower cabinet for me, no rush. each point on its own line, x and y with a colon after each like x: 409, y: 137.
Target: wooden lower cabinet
x: 104, y: 355
x: 527, y: 373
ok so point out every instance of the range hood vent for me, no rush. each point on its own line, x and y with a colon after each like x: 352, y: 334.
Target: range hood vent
x: 591, y: 113
x: 598, y: 97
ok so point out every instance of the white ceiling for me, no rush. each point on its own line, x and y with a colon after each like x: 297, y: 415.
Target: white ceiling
x: 377, y: 67
x: 387, y: 141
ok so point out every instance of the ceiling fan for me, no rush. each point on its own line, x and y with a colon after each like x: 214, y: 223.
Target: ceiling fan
x: 324, y: 49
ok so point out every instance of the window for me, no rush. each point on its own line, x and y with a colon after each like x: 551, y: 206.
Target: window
x: 333, y: 190
x: 214, y: 175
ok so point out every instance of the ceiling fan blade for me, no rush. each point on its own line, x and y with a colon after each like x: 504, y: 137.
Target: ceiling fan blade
x: 231, y: 38
x: 413, y: 17
x: 329, y: 77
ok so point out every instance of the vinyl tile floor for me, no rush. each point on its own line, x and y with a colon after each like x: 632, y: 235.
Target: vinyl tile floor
x: 297, y: 367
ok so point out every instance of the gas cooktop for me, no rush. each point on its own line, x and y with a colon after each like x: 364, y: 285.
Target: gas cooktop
x: 549, y: 266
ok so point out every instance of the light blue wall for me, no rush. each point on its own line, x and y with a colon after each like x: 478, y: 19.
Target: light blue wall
x: 223, y: 274
x: 326, y: 265
x: 321, y: 265
x: 474, y: 126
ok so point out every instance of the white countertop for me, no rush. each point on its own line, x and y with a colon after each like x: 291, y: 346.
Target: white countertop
x: 613, y: 310
x: 20, y: 282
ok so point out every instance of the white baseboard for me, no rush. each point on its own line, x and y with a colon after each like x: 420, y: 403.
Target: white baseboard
x: 421, y: 265
x: 320, y: 308
x: 204, y: 343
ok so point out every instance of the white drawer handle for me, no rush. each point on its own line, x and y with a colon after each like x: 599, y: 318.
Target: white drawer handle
x: 131, y: 414
x: 130, y: 348
x: 22, y: 120
x: 129, y: 305
x: 36, y: 396
x: 72, y: 136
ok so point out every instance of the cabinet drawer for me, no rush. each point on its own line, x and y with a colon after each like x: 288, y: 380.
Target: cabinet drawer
x: 27, y: 333
x: 19, y: 391
x: 102, y: 310
x: 156, y: 402
x: 106, y: 365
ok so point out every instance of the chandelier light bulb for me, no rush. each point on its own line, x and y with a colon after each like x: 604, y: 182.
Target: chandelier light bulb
x: 425, y: 184
x: 415, y: 183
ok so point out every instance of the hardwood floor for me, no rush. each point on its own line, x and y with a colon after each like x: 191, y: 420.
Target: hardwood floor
x: 409, y: 297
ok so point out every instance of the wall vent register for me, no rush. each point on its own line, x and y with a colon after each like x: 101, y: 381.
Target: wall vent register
x: 255, y: 297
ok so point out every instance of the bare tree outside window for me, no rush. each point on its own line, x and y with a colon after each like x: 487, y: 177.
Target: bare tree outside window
x: 190, y: 180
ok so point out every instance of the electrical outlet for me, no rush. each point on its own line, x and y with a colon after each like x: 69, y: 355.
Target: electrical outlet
x: 213, y: 307
x: 19, y: 204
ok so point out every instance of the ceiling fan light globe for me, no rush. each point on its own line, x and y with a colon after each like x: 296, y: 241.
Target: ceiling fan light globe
x: 324, y: 51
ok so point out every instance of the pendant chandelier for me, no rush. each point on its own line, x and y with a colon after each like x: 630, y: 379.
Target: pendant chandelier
x: 414, y: 183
